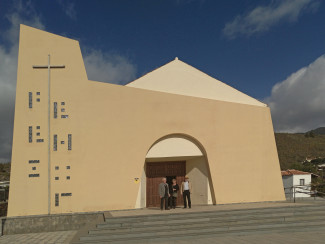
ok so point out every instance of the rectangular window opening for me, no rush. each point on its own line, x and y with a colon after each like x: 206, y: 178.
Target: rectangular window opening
x: 30, y: 134
x: 302, y: 182
x: 55, y: 110
x: 33, y: 175
x: 57, y: 199
x: 30, y: 99
x: 33, y: 161
x: 55, y: 143
x: 69, y: 142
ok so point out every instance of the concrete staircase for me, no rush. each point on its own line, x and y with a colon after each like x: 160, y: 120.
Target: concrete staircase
x: 189, y: 225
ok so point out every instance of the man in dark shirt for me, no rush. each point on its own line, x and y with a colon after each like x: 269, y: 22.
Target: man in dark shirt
x: 164, y: 194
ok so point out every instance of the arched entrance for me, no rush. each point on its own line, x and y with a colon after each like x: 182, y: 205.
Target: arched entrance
x: 175, y: 156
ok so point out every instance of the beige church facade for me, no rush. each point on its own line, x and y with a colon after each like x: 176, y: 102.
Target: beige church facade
x: 82, y: 146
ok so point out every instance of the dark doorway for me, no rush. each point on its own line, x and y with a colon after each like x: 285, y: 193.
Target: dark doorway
x: 156, y: 171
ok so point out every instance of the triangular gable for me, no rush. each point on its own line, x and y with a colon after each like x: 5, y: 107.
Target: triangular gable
x: 177, y: 77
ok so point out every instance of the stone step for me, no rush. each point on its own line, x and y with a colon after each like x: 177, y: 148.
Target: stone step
x: 212, y: 230
x: 213, y: 235
x: 203, y: 224
x: 191, y: 219
x: 210, y: 213
x: 184, y: 218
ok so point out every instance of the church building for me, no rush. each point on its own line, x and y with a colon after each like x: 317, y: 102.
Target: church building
x: 83, y: 146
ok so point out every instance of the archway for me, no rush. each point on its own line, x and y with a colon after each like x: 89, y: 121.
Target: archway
x: 175, y: 156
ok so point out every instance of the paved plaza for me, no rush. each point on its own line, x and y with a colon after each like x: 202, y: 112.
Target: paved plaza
x: 278, y: 238
x: 58, y: 237
x: 63, y: 237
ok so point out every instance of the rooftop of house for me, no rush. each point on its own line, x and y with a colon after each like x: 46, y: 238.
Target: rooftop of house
x: 289, y: 172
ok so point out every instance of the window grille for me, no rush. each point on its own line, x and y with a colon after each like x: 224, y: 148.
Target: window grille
x: 55, y: 143
x: 33, y: 175
x: 56, y: 199
x: 30, y: 99
x: 70, y: 142
x: 33, y: 161
x: 30, y: 134
x: 55, y: 110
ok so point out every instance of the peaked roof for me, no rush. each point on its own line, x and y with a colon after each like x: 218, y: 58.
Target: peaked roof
x: 289, y: 172
x: 177, y: 77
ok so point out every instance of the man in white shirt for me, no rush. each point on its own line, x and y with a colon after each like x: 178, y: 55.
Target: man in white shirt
x: 186, y: 190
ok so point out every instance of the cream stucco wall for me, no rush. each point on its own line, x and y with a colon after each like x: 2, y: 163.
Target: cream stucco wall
x: 177, y: 77
x: 198, y: 173
x: 113, y: 127
x: 173, y: 147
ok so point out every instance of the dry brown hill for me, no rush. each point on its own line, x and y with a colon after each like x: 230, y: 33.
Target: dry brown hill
x: 294, y: 148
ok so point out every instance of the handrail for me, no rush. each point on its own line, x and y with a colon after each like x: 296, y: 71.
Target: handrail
x: 306, y: 191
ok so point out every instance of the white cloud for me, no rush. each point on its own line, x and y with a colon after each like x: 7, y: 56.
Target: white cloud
x: 8, y: 71
x: 68, y: 8
x: 262, y: 18
x: 102, y: 67
x: 298, y: 103
x: 112, y: 68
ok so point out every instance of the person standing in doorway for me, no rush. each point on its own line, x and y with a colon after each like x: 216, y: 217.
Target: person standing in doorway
x: 173, y: 190
x: 186, y: 190
x: 164, y: 194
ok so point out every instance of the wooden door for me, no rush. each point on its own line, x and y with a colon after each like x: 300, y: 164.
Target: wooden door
x: 153, y: 198
x: 155, y: 172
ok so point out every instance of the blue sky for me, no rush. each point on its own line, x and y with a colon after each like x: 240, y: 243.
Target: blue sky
x: 270, y: 49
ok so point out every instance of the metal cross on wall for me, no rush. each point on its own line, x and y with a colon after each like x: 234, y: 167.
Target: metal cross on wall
x: 49, y: 67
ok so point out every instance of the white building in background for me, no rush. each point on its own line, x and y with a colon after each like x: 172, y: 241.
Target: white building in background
x: 296, y: 182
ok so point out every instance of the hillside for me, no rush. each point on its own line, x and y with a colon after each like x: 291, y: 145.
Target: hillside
x: 319, y: 131
x: 294, y: 148
x: 5, y: 172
